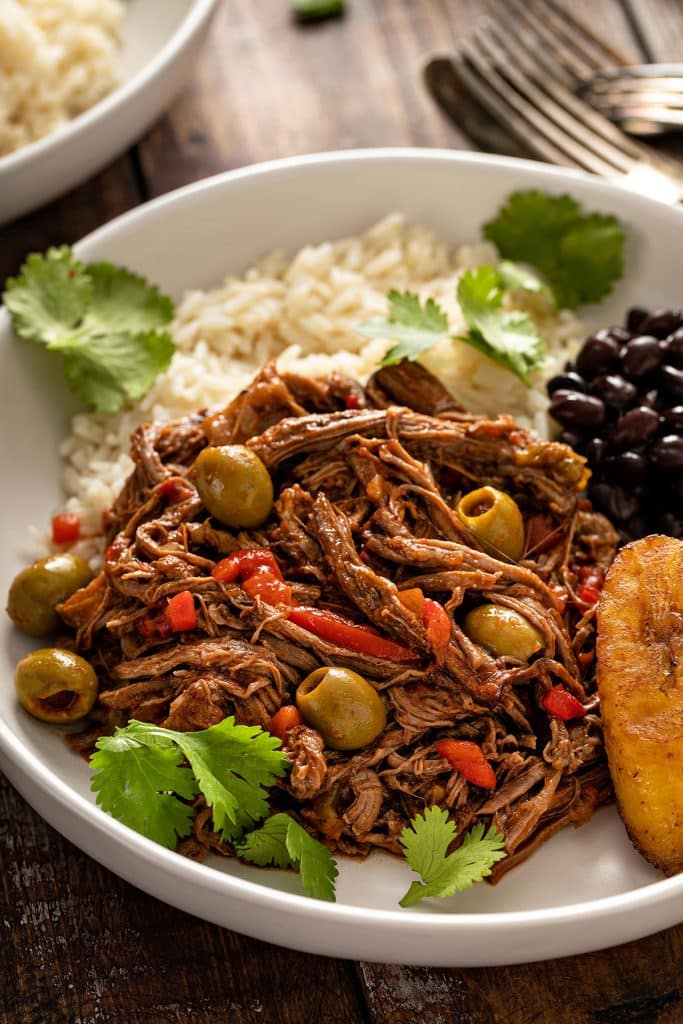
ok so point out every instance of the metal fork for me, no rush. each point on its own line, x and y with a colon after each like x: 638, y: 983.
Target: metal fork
x: 521, y: 73
x: 645, y: 99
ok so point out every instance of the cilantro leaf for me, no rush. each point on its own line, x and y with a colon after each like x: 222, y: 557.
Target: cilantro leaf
x: 234, y: 765
x: 508, y: 337
x: 426, y: 841
x: 581, y: 255
x: 283, y: 842
x: 414, y: 326
x: 107, y: 323
x: 139, y: 776
x: 139, y: 785
x: 515, y: 277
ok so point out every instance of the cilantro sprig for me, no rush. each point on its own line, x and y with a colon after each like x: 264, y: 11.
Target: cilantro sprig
x: 580, y: 254
x: 140, y: 779
x: 282, y: 842
x: 426, y: 841
x: 508, y: 337
x: 108, y: 324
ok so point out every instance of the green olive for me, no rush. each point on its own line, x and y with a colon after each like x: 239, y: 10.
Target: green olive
x: 234, y: 485
x: 495, y: 520
x: 503, y: 632
x: 55, y: 685
x: 37, y: 590
x: 342, y: 706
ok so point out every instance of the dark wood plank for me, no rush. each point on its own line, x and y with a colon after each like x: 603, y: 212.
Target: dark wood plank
x: 77, y: 944
x: 638, y: 983
x: 67, y: 219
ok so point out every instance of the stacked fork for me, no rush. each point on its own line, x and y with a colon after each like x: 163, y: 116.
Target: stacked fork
x: 524, y: 68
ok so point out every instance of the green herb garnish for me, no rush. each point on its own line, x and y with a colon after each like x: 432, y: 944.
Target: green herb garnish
x: 316, y: 10
x: 140, y: 778
x: 107, y: 322
x: 426, y: 841
x: 281, y: 841
x: 580, y: 254
x: 508, y: 337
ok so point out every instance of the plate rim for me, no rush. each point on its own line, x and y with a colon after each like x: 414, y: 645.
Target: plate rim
x: 405, y: 923
x: 191, y: 23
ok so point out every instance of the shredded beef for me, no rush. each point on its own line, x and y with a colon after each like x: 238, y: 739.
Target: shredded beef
x: 366, y: 482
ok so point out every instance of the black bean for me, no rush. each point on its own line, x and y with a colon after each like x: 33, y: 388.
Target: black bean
x: 628, y: 468
x: 570, y: 381
x: 572, y: 409
x: 635, y: 317
x: 641, y: 356
x: 652, y: 399
x: 620, y: 334
x: 571, y: 438
x: 614, y: 390
x: 662, y: 322
x: 672, y: 419
x: 668, y: 522
x: 672, y: 380
x: 673, y: 348
x: 570, y: 366
x: 634, y: 428
x: 637, y: 526
x: 667, y: 453
x: 595, y: 451
x: 600, y: 353
x: 615, y: 501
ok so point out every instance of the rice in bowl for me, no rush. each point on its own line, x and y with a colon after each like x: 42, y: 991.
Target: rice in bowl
x: 305, y: 311
x: 57, y: 59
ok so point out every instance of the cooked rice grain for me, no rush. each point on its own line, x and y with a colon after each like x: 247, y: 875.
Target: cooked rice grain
x: 305, y: 312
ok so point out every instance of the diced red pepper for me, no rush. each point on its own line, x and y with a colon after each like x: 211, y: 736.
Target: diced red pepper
x: 562, y: 704
x: 541, y: 534
x: 351, y: 401
x: 350, y: 635
x: 180, y: 612
x: 562, y: 597
x: 66, y: 528
x: 438, y: 625
x: 283, y: 721
x: 154, y: 624
x: 413, y: 600
x: 588, y: 593
x: 115, y: 549
x: 174, y: 490
x: 242, y: 564
x: 269, y: 587
x: 468, y: 759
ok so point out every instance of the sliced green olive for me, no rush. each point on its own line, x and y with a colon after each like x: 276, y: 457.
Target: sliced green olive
x: 495, y: 520
x: 37, y: 590
x: 55, y: 685
x: 503, y: 632
x: 234, y: 485
x: 345, y: 709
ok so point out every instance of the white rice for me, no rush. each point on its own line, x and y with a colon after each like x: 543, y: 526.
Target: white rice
x: 305, y: 311
x: 57, y: 58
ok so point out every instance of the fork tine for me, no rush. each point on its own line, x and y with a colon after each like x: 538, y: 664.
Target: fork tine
x: 576, y: 51
x: 532, y: 128
x: 559, y: 103
x: 569, y: 128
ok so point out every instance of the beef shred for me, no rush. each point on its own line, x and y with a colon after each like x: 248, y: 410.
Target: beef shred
x: 366, y: 481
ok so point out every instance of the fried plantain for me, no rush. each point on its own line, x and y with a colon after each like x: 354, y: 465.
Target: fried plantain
x: 640, y: 681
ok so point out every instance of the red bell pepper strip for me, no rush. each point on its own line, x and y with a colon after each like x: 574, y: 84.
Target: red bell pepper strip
x: 468, y: 759
x: 560, y: 703
x: 413, y: 600
x: 283, y: 721
x: 438, y: 625
x: 173, y: 490
x: 344, y: 633
x: 66, y: 528
x: 269, y: 587
x: 180, y: 612
x: 242, y: 564
x: 588, y: 593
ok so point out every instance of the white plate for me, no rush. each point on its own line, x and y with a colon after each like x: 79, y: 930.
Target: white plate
x: 161, y: 39
x: 585, y: 889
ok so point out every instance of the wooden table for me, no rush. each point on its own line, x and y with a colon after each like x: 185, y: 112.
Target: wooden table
x: 77, y: 944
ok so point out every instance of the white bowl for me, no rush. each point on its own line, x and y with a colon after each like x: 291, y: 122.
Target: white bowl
x: 160, y: 43
x: 583, y: 890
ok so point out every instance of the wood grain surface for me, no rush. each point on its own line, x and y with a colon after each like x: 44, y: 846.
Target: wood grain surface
x: 79, y: 945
